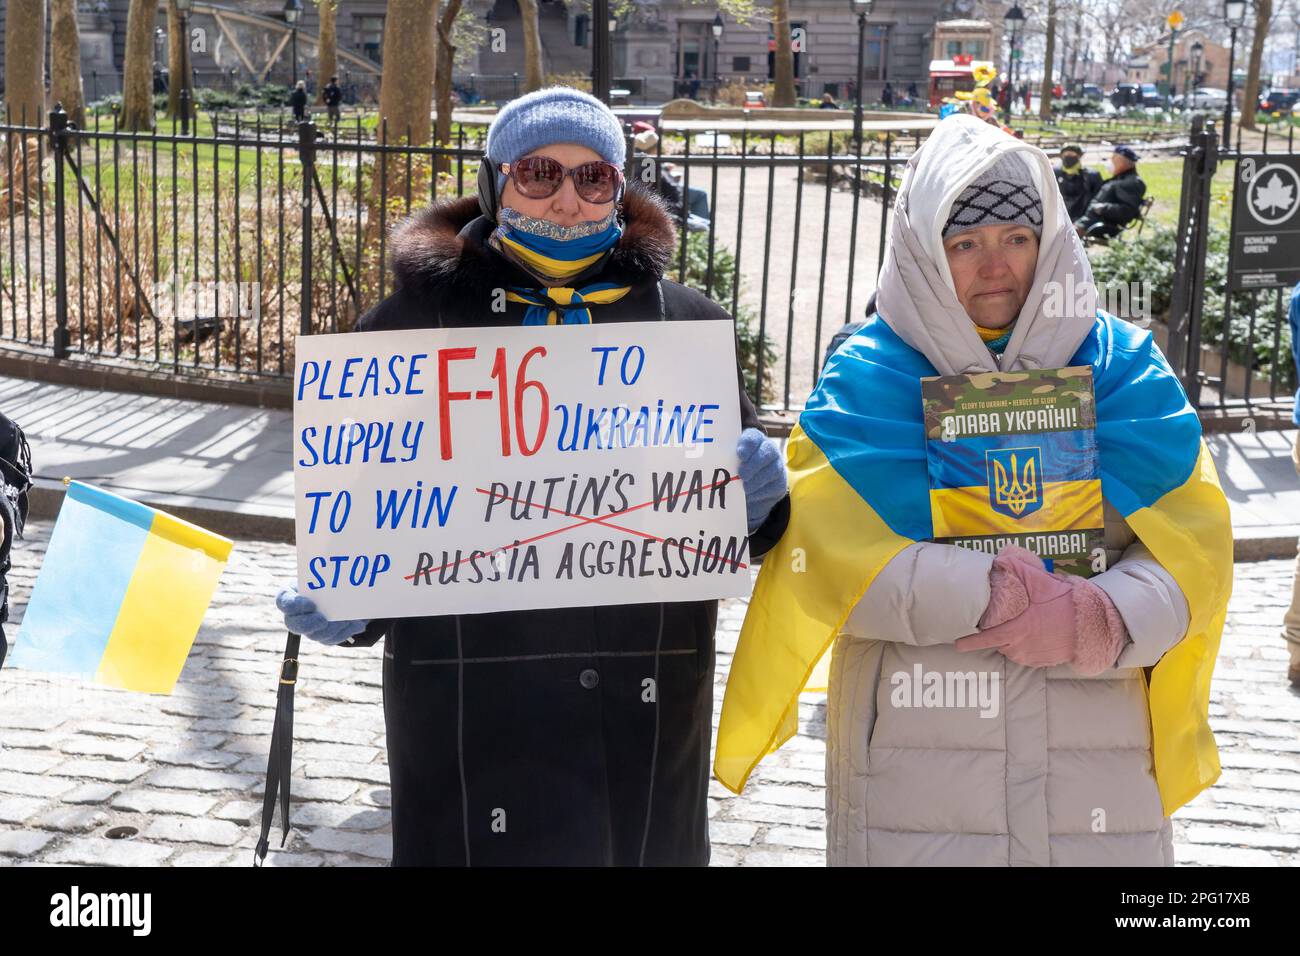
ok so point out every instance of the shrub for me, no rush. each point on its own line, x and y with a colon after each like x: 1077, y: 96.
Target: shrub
x: 1150, y: 259
x: 1079, y: 104
x: 748, y: 342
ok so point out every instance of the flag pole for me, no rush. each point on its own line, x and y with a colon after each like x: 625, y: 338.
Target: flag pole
x: 279, y: 762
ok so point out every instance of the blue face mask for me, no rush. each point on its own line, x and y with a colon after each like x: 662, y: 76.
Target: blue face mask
x: 552, y: 252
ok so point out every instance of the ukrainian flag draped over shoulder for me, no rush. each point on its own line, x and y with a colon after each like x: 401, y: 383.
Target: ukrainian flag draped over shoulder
x: 859, y: 495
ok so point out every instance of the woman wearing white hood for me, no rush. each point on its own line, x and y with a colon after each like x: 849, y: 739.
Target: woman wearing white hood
x: 1086, y: 725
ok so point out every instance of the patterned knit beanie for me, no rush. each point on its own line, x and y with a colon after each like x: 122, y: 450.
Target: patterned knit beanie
x: 1003, y: 193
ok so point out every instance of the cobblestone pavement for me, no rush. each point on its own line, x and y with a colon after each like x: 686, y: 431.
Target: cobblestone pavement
x: 186, y: 771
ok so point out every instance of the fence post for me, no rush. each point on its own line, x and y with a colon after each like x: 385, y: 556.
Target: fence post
x: 307, y: 155
x: 59, y: 148
x: 1204, y: 184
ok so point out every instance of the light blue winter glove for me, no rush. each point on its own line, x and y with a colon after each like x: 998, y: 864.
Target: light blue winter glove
x: 301, y: 617
x: 762, y: 472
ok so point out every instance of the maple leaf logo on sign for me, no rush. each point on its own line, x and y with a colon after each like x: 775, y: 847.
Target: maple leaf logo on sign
x: 1274, y: 194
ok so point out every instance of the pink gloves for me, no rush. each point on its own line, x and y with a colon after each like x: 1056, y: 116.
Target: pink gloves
x: 1039, y: 619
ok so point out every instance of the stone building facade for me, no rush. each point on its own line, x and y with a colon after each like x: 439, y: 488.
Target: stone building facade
x: 662, y: 49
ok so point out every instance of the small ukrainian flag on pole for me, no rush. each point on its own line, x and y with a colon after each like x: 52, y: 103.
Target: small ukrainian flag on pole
x: 121, y: 592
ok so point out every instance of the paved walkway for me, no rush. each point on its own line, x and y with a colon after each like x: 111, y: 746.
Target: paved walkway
x: 232, y: 464
x: 184, y: 773
x: 175, y: 453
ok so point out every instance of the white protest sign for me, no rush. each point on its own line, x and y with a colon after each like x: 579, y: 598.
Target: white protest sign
x: 443, y: 471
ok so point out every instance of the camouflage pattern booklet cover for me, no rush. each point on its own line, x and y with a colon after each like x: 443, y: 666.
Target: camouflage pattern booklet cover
x: 1013, y: 460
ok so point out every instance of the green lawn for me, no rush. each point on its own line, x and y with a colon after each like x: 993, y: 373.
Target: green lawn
x: 1164, y: 179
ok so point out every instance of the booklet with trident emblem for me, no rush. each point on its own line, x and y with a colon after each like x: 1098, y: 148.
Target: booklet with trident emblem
x: 1012, y: 459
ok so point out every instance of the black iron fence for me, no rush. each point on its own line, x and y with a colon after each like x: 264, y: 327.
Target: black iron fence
x: 208, y: 254
x: 1230, y: 346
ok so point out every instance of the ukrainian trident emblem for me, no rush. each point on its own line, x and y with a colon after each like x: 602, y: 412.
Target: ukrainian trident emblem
x: 1015, y: 477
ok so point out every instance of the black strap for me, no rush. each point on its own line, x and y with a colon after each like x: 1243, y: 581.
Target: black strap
x: 280, y: 761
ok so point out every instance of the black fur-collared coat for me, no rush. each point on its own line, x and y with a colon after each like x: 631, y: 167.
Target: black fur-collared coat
x: 530, y: 737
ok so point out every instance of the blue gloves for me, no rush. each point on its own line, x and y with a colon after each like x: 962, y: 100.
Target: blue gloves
x: 301, y: 617
x: 762, y: 472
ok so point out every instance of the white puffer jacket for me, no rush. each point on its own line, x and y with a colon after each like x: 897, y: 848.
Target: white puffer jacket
x: 937, y: 757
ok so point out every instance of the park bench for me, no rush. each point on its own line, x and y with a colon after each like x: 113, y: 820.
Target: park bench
x: 1144, y: 208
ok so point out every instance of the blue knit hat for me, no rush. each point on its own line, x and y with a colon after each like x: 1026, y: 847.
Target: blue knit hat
x: 557, y: 114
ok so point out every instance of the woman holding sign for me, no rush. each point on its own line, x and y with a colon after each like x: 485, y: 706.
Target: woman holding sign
x: 560, y: 736
x: 983, y: 708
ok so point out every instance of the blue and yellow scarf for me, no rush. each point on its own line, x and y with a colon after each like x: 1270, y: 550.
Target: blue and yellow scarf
x: 859, y: 494
x: 555, y: 254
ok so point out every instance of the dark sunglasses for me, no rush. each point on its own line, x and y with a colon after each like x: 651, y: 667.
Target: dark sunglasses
x: 540, y: 177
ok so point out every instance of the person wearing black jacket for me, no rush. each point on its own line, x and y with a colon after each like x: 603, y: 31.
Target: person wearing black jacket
x: 1078, y: 184
x: 1118, y: 202
x: 332, y: 96
x: 298, y: 100
x: 15, y: 483
x: 566, y: 736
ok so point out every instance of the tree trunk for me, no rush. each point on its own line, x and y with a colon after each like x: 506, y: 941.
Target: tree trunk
x: 326, y: 49
x: 534, y: 76
x: 784, y: 94
x: 1045, y: 95
x: 137, y: 72
x: 1250, y: 95
x: 25, y: 62
x: 443, y: 64
x: 405, y: 104
x: 65, y: 61
x: 1070, y: 85
x: 406, y: 89
x: 176, y: 41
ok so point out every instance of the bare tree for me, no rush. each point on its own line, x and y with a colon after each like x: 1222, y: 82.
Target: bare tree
x: 783, y: 68
x: 137, y: 72
x: 445, y: 60
x: 25, y: 61
x: 327, y: 46
x: 1045, y: 94
x: 176, y: 41
x: 534, y: 74
x: 406, y: 89
x: 65, y: 60
x: 1250, y: 95
x: 405, y: 103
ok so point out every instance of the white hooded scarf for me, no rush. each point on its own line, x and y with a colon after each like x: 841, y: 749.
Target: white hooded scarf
x: 915, y: 293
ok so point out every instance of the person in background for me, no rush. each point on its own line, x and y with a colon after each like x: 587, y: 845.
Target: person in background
x: 332, y: 96
x: 1062, y: 766
x: 527, y: 737
x: 828, y: 102
x: 1118, y: 202
x: 887, y: 96
x: 912, y: 94
x: 1291, y: 623
x: 298, y: 100
x: 15, y: 483
x: 670, y: 183
x: 1078, y: 183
